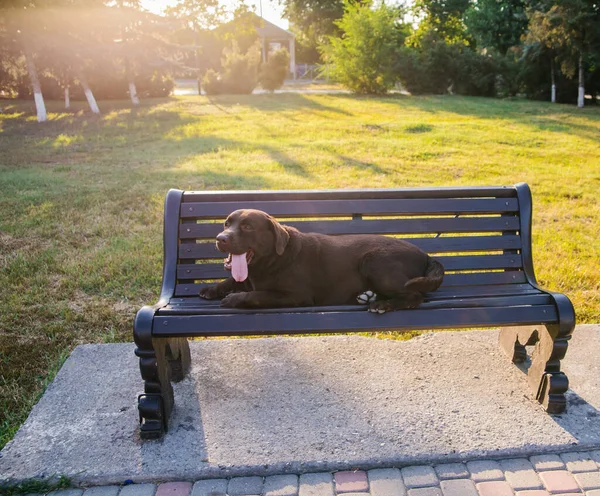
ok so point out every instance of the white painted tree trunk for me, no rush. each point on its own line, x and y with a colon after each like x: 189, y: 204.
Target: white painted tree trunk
x: 133, y: 93
x: 89, y: 95
x: 553, y: 97
x: 67, y: 98
x: 40, y: 106
x: 581, y: 95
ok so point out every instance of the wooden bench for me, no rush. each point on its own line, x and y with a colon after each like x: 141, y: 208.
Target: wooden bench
x: 481, y: 235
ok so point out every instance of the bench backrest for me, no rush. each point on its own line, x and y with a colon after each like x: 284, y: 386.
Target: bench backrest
x: 475, y: 232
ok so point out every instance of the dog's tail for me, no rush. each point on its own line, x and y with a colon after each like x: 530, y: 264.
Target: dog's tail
x: 434, y: 275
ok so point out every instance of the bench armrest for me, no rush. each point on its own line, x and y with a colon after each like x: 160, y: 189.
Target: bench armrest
x: 564, y: 306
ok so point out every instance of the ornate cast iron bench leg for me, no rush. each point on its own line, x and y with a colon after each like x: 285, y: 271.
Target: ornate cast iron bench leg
x: 160, y: 360
x: 546, y: 381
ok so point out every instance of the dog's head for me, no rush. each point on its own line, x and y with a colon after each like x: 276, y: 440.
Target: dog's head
x: 254, y: 233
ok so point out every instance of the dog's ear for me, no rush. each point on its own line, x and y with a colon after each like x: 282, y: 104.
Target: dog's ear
x: 282, y: 237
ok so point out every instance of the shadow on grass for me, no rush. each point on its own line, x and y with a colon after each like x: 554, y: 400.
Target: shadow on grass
x: 153, y: 135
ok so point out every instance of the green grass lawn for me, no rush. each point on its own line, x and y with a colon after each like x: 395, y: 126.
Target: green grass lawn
x: 81, y: 196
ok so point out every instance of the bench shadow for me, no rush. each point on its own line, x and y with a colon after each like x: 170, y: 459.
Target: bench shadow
x: 581, y: 419
x: 284, y: 406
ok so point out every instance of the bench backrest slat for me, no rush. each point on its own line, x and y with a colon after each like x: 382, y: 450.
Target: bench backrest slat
x: 299, y: 208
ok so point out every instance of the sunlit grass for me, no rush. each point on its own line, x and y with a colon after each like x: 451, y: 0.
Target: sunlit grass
x: 81, y: 195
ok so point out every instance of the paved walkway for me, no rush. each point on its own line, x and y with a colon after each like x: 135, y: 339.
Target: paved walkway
x: 541, y: 475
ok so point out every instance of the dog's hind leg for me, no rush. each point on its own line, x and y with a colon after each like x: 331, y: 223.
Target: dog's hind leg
x: 386, y: 276
x: 408, y: 299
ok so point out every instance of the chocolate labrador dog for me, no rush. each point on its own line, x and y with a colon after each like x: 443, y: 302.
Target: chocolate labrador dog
x: 273, y: 265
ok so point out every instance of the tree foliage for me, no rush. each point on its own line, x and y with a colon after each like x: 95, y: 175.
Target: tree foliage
x: 361, y: 58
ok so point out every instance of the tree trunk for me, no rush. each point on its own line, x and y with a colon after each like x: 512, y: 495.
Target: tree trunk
x: 553, y: 81
x: 67, y: 98
x: 40, y: 106
x: 88, y: 94
x: 133, y: 93
x: 132, y: 89
x: 197, y: 57
x: 581, y: 95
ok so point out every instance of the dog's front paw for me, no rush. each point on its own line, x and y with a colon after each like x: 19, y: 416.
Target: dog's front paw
x: 366, y: 297
x: 233, y: 300
x: 209, y: 293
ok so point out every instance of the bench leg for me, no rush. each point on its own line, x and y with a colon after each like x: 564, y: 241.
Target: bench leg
x: 546, y: 381
x: 161, y: 360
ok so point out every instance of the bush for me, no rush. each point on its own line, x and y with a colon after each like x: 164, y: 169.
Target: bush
x: 212, y: 83
x: 428, y: 70
x: 361, y: 57
x: 273, y: 72
x: 239, y: 74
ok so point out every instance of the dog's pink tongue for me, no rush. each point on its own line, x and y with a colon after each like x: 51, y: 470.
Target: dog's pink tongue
x: 239, y: 267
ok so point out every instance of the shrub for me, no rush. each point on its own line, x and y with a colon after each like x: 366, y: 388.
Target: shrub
x: 273, y: 72
x: 239, y: 72
x: 212, y: 83
x: 361, y: 57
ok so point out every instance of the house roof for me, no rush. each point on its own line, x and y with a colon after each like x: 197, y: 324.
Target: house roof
x: 270, y: 30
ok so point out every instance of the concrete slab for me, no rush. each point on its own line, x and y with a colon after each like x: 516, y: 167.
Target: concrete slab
x: 309, y: 404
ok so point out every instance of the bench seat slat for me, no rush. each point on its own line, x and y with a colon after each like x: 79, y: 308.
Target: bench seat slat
x: 465, y: 262
x: 213, y: 307
x: 378, y: 226
x: 350, y: 194
x: 208, y: 250
x: 307, y: 208
x: 450, y: 280
x: 296, y: 322
x: 448, y: 293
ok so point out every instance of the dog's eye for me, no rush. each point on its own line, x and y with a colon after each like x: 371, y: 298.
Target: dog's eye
x: 247, y: 227
x: 227, y: 224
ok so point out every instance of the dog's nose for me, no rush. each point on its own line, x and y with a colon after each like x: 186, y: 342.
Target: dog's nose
x: 223, y: 238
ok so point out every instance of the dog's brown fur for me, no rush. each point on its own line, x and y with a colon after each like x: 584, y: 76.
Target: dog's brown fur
x: 290, y: 268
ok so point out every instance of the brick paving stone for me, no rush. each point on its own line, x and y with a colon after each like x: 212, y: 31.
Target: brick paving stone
x: 547, y: 462
x: 578, y: 462
x: 533, y: 492
x: 386, y: 482
x: 362, y: 493
x: 281, y: 485
x: 66, y: 492
x: 246, y: 486
x: 102, y: 491
x: 519, y: 473
x: 452, y: 471
x: 425, y: 491
x: 351, y: 481
x: 595, y: 492
x: 210, y: 487
x: 559, y: 481
x: 316, y: 484
x: 458, y: 487
x: 494, y: 488
x: 588, y: 480
x: 419, y: 476
x: 174, y: 489
x: 138, y: 490
x: 485, y: 471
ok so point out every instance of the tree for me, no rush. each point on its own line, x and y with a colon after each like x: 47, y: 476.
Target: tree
x: 361, y: 57
x: 496, y: 24
x: 441, y: 20
x: 197, y: 15
x: 572, y: 29
x: 20, y: 33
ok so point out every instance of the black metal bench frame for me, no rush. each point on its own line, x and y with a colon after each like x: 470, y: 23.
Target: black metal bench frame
x: 479, y: 290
